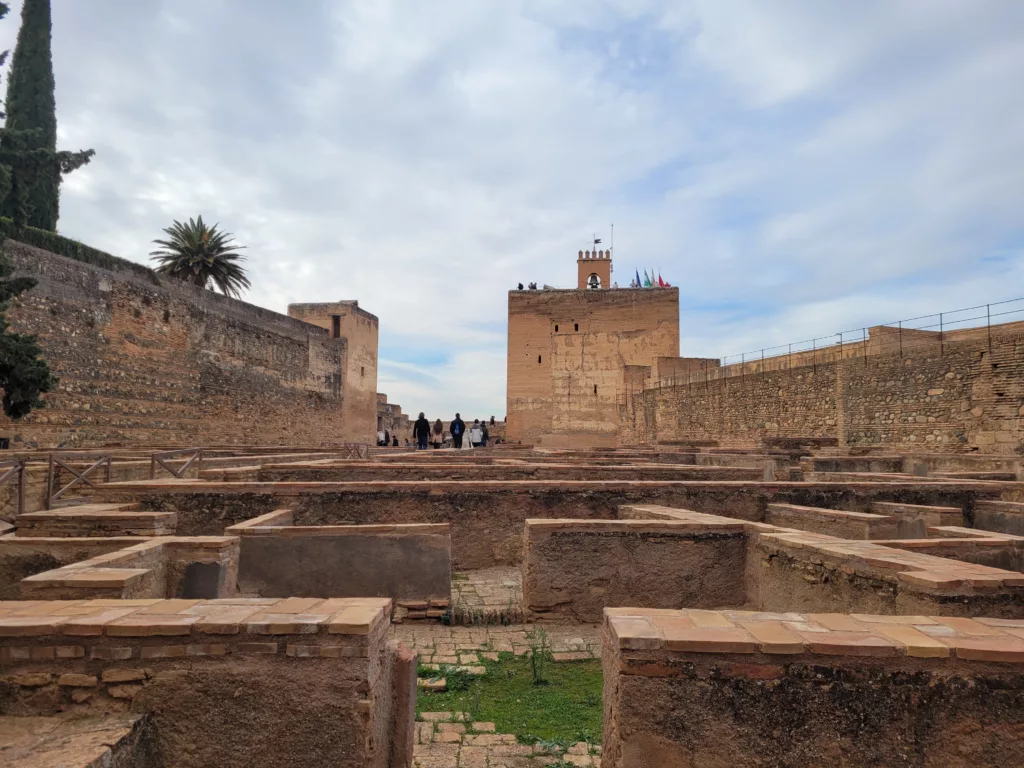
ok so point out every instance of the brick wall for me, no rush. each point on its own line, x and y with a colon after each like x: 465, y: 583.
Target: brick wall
x: 961, y: 395
x: 171, y: 364
x: 563, y: 384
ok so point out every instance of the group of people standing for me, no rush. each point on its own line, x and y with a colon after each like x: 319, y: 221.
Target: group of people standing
x: 423, y: 433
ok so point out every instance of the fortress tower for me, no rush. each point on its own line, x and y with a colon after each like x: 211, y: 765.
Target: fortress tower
x: 573, y: 354
x: 595, y: 270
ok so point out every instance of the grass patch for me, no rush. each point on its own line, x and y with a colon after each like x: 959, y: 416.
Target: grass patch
x: 566, y: 709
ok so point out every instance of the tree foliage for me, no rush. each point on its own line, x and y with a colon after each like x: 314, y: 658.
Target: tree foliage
x: 23, y: 375
x: 201, y: 254
x: 30, y: 165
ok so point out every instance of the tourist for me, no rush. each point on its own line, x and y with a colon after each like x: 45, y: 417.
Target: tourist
x: 476, y: 434
x: 421, y: 432
x: 387, y: 438
x: 485, y: 435
x: 380, y: 437
x: 394, y: 441
x: 458, y: 429
x: 438, y: 434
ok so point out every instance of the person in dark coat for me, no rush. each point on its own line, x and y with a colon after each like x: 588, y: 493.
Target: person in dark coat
x: 421, y: 432
x: 458, y: 429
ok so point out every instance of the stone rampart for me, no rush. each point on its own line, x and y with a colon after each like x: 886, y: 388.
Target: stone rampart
x: 960, y: 396
x: 169, y: 363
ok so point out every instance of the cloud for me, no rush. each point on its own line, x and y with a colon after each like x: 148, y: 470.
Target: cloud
x: 797, y: 170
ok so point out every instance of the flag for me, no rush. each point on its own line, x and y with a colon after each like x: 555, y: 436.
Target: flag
x: 661, y: 283
x: 597, y: 241
x: 647, y: 280
x: 638, y: 283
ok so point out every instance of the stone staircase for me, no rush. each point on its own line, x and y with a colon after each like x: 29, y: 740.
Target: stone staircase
x: 96, y: 520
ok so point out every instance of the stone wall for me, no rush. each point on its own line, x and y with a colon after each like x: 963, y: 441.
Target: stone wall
x: 164, y: 363
x: 487, y: 518
x: 405, y: 562
x: 238, y: 683
x: 961, y: 395
x: 566, y: 353
x: 732, y: 688
x: 572, y: 569
x: 346, y: 320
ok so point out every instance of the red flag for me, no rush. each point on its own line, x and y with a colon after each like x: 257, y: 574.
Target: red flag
x: 661, y: 283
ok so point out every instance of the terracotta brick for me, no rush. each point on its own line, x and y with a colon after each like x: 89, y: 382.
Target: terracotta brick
x: 163, y: 652
x: 110, y: 653
x: 1006, y: 648
x: 916, y: 643
x: 150, y: 626
x: 875, y: 619
x: 260, y: 648
x: 30, y: 626
x: 206, y: 649
x: 774, y: 637
x: 344, y: 651
x: 850, y: 644
x: 711, y: 640
x: 70, y: 651
x: 708, y: 619
x: 636, y: 633
x: 968, y: 626
x: 930, y: 579
x: 837, y: 622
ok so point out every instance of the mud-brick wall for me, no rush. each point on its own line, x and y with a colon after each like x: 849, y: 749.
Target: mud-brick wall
x: 160, y: 362
x: 959, y: 396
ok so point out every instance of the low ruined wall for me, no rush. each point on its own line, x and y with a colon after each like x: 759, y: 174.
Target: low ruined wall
x: 1002, y: 517
x: 702, y: 688
x: 232, y: 683
x: 832, y: 522
x: 506, y: 473
x: 21, y: 557
x: 797, y: 571
x: 403, y: 562
x: 573, y: 569
x: 165, y: 567
x: 487, y: 517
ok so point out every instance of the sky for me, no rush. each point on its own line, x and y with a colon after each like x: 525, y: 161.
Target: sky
x: 796, y: 168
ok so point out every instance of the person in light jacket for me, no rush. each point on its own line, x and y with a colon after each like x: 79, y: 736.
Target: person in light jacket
x: 476, y: 434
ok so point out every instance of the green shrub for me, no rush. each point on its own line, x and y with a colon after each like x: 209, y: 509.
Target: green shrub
x: 72, y: 249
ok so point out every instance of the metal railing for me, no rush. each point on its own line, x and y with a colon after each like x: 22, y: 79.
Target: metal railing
x: 57, y: 462
x: 929, y: 333
x: 190, y: 455
x: 12, y: 472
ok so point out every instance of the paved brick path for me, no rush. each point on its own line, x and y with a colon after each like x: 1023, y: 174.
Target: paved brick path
x: 488, y: 592
x: 440, y: 644
x: 445, y: 740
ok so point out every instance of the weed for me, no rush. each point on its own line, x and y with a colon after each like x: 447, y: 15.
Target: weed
x: 540, y: 654
x: 564, y: 710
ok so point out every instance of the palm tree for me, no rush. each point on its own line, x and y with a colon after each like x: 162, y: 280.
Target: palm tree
x: 198, y: 254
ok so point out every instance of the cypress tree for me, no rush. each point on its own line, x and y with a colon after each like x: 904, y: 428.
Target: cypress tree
x: 24, y: 375
x: 28, y: 147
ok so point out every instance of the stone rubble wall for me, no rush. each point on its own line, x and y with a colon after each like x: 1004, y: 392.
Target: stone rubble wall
x: 253, y: 683
x: 958, y: 397
x: 170, y: 364
x: 693, y: 687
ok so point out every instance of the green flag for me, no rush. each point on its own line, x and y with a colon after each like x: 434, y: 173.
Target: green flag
x: 647, y: 280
